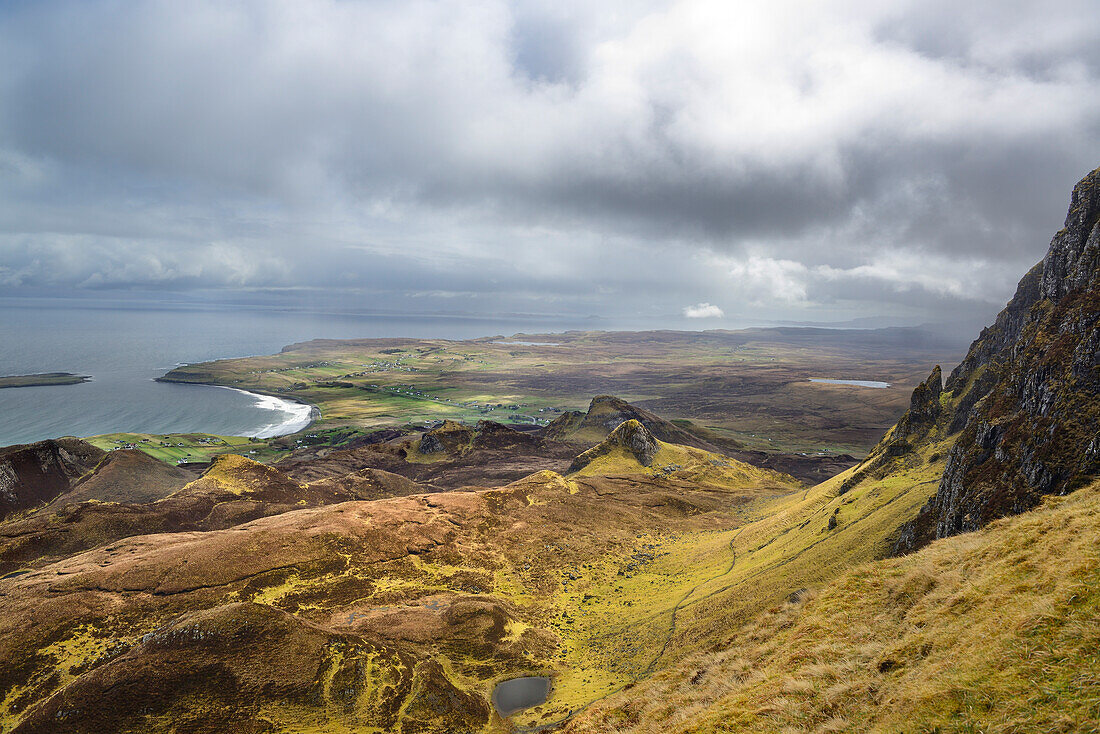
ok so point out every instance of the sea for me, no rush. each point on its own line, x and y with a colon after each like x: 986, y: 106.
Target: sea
x: 124, y: 346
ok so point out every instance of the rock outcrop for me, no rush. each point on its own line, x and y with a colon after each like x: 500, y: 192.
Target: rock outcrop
x: 1027, y: 396
x: 497, y: 436
x: 630, y: 435
x: 914, y: 427
x: 606, y: 413
x: 924, y: 407
x: 454, y: 439
x: 449, y: 437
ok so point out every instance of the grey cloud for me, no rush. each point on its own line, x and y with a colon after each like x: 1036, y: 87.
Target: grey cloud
x: 586, y: 157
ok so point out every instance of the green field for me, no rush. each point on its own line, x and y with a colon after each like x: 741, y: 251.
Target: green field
x: 184, y: 447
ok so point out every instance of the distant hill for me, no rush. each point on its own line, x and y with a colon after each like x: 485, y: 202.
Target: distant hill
x: 45, y: 379
x: 127, y: 475
x: 632, y: 449
x: 448, y: 456
x: 111, y: 503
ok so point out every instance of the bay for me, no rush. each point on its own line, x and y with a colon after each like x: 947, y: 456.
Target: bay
x: 125, y: 345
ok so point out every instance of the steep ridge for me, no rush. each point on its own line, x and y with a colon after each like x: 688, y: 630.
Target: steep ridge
x: 926, y: 422
x: 1027, y: 396
x: 34, y: 474
x: 607, y: 412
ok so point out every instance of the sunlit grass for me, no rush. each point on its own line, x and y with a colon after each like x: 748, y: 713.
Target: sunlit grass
x: 992, y: 631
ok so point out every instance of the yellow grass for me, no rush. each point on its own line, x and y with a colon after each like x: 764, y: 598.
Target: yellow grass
x: 996, y: 631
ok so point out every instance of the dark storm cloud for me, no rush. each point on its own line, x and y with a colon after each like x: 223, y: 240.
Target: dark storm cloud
x: 596, y: 158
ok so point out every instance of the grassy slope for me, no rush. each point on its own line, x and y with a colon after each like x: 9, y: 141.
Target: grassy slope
x: 611, y: 591
x: 726, y: 578
x: 992, y: 631
x: 591, y: 605
x: 693, y: 599
x: 791, y: 546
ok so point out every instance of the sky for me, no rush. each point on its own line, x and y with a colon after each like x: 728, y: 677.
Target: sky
x: 699, y: 163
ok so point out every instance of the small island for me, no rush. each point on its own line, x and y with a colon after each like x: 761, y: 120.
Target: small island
x: 43, y: 380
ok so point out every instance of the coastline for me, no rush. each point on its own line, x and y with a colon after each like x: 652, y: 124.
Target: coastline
x: 300, y: 420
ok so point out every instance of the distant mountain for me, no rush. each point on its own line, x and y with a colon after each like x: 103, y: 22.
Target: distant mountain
x: 955, y: 334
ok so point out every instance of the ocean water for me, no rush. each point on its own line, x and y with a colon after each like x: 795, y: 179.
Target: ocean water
x: 125, y: 346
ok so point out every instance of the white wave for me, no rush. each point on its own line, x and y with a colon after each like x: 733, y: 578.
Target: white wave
x: 290, y: 416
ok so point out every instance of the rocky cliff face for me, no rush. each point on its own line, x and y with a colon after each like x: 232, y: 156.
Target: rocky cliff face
x: 924, y: 407
x: 33, y: 474
x: 1027, y: 397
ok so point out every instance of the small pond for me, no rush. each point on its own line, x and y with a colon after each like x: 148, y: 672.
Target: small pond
x: 857, y: 383
x: 517, y: 694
